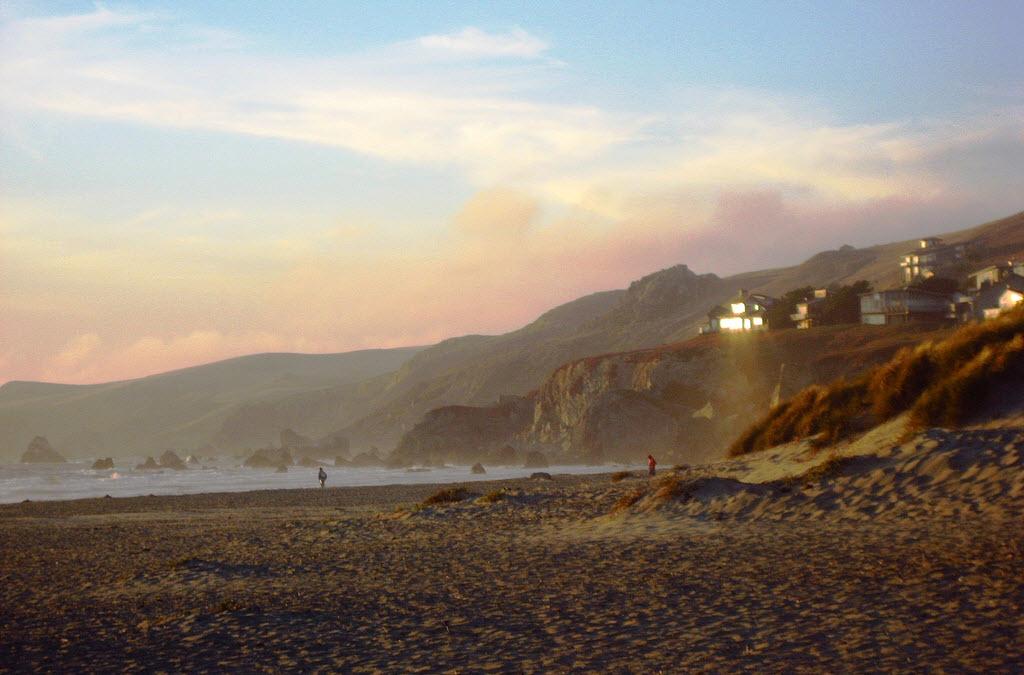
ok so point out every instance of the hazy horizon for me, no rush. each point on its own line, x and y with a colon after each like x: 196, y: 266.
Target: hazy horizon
x: 183, y: 184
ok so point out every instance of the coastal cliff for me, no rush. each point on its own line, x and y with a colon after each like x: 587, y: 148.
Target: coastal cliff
x: 684, y: 402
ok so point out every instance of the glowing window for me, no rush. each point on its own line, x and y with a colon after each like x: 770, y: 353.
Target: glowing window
x: 738, y: 308
x: 731, y: 323
x: 758, y: 321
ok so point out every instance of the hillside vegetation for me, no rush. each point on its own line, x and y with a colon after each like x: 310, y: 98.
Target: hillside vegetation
x: 940, y: 383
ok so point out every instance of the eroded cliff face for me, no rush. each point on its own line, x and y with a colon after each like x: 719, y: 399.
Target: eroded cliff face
x: 683, y: 402
x: 667, y: 401
x: 464, y: 434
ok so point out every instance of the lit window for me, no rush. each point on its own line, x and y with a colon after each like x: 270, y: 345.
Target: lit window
x: 731, y: 323
x: 738, y: 307
x: 758, y: 321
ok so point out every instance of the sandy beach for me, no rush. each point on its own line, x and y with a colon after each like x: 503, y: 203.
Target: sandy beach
x: 896, y: 557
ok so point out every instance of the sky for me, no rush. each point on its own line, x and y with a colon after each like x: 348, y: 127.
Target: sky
x: 182, y: 182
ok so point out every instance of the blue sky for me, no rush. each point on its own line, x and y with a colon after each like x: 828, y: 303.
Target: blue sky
x: 186, y: 181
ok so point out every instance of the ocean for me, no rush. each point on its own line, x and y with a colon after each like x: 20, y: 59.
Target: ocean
x: 77, y: 480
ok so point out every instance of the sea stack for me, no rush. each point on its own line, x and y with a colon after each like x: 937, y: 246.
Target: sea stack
x: 41, y: 452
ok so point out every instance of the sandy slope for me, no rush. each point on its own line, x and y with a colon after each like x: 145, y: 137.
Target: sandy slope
x: 906, y: 557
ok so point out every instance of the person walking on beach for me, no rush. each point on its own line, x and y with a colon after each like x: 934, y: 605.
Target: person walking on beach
x: 651, y: 464
x: 323, y: 477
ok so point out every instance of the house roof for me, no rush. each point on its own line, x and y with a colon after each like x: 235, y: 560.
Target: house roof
x: 1015, y: 282
x: 907, y: 289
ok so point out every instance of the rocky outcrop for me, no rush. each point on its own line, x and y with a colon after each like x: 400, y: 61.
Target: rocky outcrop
x: 269, y: 458
x: 170, y: 460
x: 149, y: 465
x: 541, y: 475
x: 39, y: 451
x: 103, y: 464
x: 463, y: 434
x: 478, y: 468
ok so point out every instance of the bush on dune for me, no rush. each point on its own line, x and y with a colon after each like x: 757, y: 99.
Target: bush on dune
x: 447, y: 496
x: 953, y: 400
x: 940, y: 383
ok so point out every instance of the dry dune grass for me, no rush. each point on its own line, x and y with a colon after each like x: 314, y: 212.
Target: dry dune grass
x: 622, y: 475
x: 940, y: 383
x: 447, y: 496
x: 627, y: 500
x: 492, y: 497
x: 668, y: 488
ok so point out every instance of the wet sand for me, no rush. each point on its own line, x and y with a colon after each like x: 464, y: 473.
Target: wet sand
x: 834, y: 574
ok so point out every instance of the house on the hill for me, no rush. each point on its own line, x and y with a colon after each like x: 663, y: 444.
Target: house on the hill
x: 902, y: 305
x: 930, y: 256
x: 745, y: 312
x: 996, y: 298
x: 808, y: 313
x: 993, y: 274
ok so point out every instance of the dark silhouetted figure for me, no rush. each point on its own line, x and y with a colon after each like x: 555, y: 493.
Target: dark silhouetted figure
x: 651, y: 464
x: 323, y: 477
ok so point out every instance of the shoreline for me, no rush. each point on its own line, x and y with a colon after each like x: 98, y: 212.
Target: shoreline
x: 66, y: 482
x: 342, y: 496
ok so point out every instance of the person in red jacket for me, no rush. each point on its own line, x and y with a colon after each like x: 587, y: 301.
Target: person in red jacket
x: 651, y: 464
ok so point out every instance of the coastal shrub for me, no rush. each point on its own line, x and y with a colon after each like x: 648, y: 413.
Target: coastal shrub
x: 629, y: 499
x: 622, y: 475
x: 669, y: 488
x: 895, y: 385
x: 447, y: 496
x: 939, y: 383
x: 492, y: 497
x: 958, y: 397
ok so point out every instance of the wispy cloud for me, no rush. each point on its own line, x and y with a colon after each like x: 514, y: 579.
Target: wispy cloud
x: 471, y: 41
x: 112, y: 65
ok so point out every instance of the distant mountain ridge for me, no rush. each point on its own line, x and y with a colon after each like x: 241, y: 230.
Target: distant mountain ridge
x: 379, y: 405
x: 178, y: 409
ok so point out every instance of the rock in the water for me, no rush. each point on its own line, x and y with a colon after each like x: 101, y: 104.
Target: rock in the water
x: 541, y: 475
x: 291, y: 439
x: 170, y: 460
x: 507, y: 456
x: 281, y: 469
x: 40, y: 452
x: 103, y: 463
x: 269, y: 458
x: 149, y: 465
x: 478, y: 468
x: 536, y: 459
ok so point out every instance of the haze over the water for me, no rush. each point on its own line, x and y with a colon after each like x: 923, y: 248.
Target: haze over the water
x: 188, y: 181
